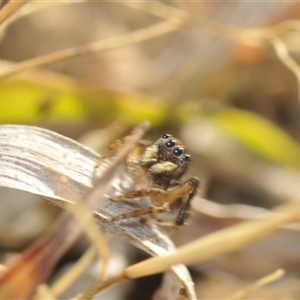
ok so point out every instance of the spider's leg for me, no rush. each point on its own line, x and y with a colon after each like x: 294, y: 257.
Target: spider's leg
x: 154, y: 193
x: 188, y: 189
x: 110, y: 150
x: 152, y: 210
x: 194, y: 183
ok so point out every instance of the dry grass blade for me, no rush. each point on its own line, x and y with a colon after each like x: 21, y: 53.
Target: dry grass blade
x: 82, y: 211
x: 219, y: 243
x: 160, y: 9
x: 10, y: 8
x: 257, y: 284
x: 101, y: 183
x: 42, y: 162
x: 47, y: 78
x: 284, y: 56
x: 67, y: 279
x: 222, y: 242
x: 83, y: 217
x: 108, y: 44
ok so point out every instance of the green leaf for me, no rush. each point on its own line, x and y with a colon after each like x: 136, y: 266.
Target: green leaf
x: 22, y: 102
x: 260, y: 136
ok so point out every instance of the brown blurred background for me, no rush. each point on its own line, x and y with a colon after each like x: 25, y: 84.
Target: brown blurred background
x: 224, y: 92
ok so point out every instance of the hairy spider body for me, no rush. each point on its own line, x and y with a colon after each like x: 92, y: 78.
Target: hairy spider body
x: 158, y: 169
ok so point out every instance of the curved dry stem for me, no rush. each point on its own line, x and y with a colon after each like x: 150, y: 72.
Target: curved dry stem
x: 96, y: 288
x: 284, y: 56
x: 257, y: 284
x: 73, y: 273
x: 257, y: 36
x: 96, y: 236
x: 159, y: 9
x: 248, y: 36
x: 31, y: 7
x: 10, y: 8
x: 43, y: 292
x: 103, y: 45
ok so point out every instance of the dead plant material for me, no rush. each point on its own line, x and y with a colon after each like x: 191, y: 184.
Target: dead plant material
x: 10, y: 8
x: 108, y: 44
x: 47, y: 164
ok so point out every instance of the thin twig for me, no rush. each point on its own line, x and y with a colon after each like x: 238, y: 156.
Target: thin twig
x: 257, y: 284
x: 284, y: 56
x: 100, y: 184
x: 82, y: 215
x: 31, y: 7
x: 103, y: 45
x: 74, y: 272
x: 82, y: 210
x: 162, y: 10
x: 10, y: 8
x: 249, y: 36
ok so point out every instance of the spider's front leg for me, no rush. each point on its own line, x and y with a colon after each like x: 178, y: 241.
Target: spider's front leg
x: 113, y: 148
x: 153, y: 193
x: 116, y: 145
x: 193, y: 183
x: 162, y: 200
x: 151, y: 210
x: 185, y: 191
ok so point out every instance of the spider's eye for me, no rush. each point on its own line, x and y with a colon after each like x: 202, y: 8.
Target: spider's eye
x: 170, y: 143
x: 186, y: 157
x: 165, y: 136
x: 178, y: 151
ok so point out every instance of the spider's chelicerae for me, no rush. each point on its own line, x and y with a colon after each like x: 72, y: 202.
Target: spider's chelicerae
x: 159, y: 169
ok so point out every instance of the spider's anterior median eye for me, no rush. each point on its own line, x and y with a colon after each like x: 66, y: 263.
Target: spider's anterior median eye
x: 186, y: 157
x: 170, y: 143
x: 165, y: 136
x: 177, y: 151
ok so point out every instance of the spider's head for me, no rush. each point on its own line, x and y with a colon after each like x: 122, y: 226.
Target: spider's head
x: 172, y: 149
x: 166, y: 160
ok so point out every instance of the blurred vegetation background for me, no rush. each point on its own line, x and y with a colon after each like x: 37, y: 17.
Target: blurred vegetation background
x: 222, y: 76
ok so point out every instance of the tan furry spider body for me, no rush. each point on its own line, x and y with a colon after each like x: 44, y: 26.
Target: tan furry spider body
x: 159, y: 169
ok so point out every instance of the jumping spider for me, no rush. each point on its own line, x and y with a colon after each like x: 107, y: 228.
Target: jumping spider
x: 159, y: 169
